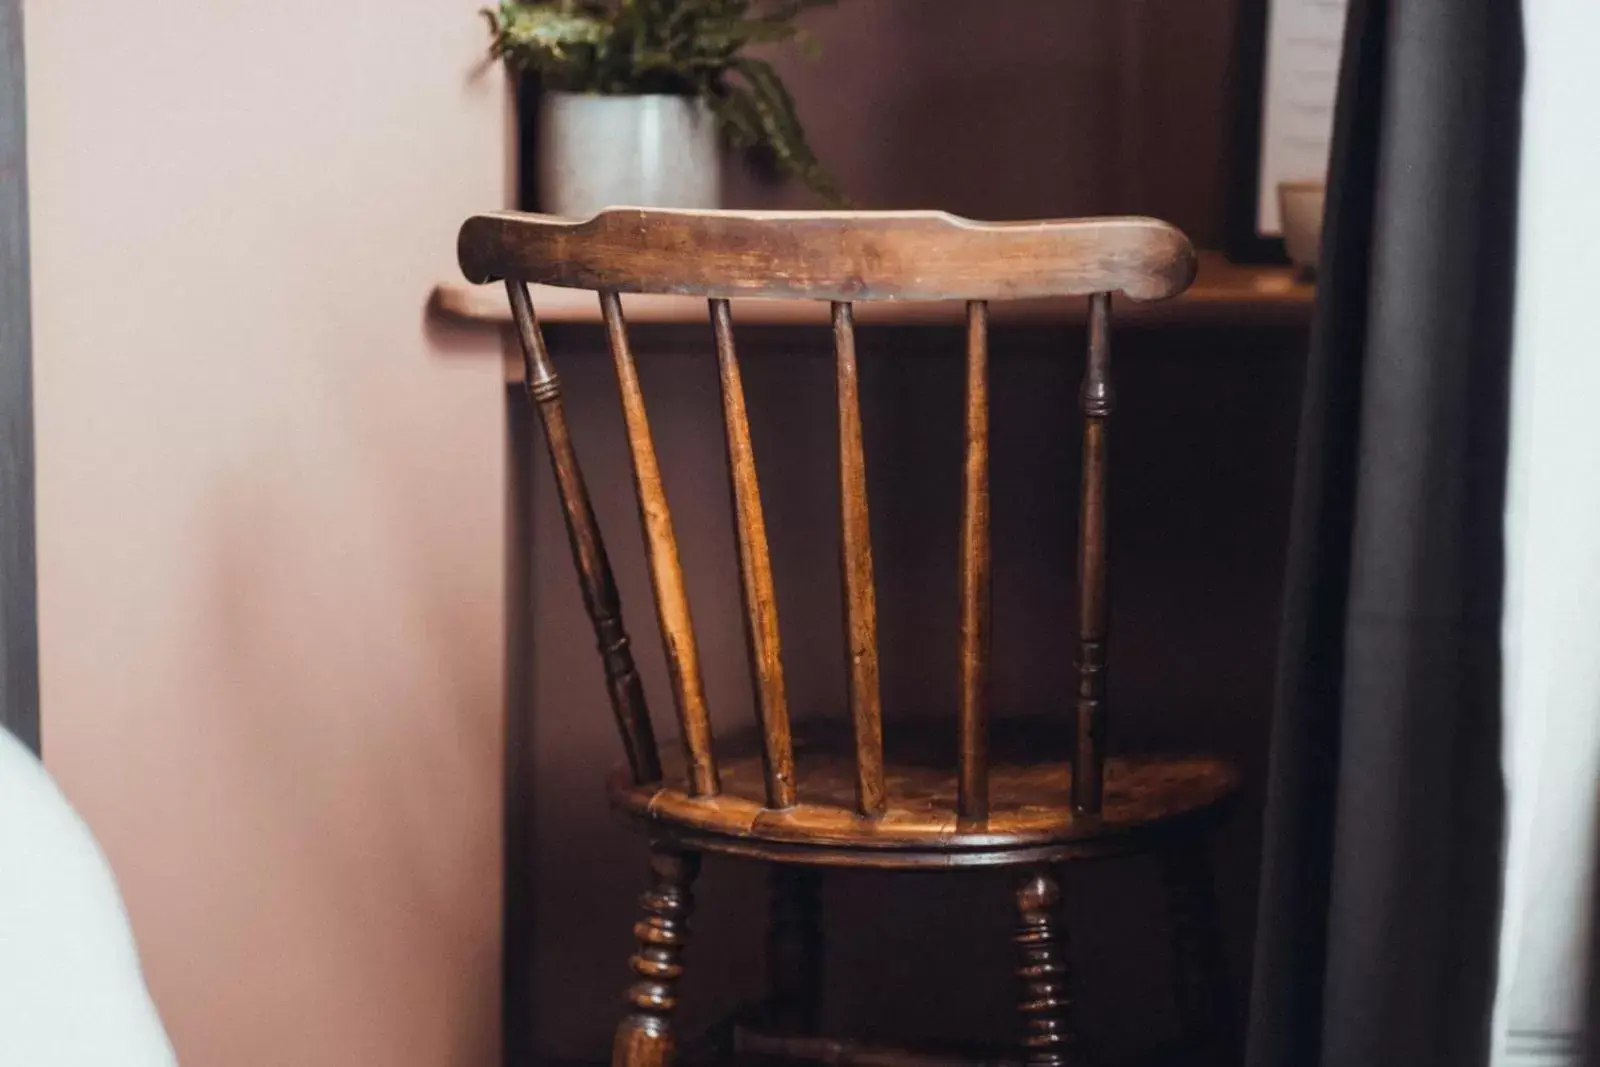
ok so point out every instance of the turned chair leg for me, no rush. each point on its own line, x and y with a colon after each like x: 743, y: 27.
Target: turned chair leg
x: 1046, y: 1005
x: 1199, y: 976
x: 644, y: 1038
x: 794, y: 949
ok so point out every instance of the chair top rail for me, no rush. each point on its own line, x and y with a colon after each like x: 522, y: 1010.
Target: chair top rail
x: 835, y: 256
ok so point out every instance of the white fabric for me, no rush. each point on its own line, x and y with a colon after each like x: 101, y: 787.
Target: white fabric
x: 71, y: 993
x: 1551, y: 626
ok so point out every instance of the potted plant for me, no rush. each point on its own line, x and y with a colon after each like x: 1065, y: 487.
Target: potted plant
x: 635, y: 92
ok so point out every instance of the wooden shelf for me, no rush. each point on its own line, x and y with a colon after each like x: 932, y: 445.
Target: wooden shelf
x: 1224, y: 294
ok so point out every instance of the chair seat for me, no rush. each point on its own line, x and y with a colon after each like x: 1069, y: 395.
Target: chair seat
x: 1147, y: 799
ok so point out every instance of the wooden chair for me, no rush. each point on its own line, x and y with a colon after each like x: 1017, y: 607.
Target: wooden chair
x: 810, y: 799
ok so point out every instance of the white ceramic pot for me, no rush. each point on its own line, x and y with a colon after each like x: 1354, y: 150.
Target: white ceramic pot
x: 1300, y: 206
x: 640, y: 151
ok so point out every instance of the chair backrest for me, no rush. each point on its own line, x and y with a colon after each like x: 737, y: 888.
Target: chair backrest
x: 841, y: 257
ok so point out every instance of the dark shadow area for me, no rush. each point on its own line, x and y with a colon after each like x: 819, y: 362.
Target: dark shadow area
x: 521, y: 1037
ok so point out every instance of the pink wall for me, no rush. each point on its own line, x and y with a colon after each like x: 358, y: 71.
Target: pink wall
x: 271, y: 511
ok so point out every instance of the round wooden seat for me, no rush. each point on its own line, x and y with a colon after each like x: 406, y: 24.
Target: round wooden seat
x: 1147, y: 797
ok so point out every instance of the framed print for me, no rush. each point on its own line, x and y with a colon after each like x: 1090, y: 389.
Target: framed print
x: 1286, y: 81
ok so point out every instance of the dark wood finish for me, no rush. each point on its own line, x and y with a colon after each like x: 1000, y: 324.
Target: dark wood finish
x: 1224, y: 294
x: 644, y: 1037
x: 1146, y: 797
x: 666, y: 571
x: 588, y: 548
x: 849, y: 1052
x: 19, y: 609
x: 1097, y: 401
x: 972, y: 773
x: 860, y: 593
x: 794, y: 950
x: 1200, y: 981
x: 935, y: 857
x: 755, y: 570
x: 840, y: 790
x: 1126, y: 108
x: 1045, y: 972
x: 838, y: 256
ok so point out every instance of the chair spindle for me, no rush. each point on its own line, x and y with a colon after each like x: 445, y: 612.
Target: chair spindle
x: 755, y: 572
x: 1096, y: 400
x: 666, y: 571
x: 972, y: 792
x: 588, y: 548
x: 860, y: 597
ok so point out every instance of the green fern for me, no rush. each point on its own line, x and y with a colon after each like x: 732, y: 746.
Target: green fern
x: 683, y: 47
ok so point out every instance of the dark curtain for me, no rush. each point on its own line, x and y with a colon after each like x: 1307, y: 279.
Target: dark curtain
x: 1378, y: 924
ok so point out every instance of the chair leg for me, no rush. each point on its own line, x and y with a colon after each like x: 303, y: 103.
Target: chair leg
x: 794, y: 949
x: 1048, y: 1039
x: 1199, y: 976
x: 644, y: 1038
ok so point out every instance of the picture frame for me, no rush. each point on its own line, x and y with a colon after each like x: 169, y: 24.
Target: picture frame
x: 1242, y: 241
x: 1297, y: 118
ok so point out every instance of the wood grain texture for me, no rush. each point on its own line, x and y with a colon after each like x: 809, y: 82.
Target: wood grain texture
x: 932, y: 126
x: 973, y: 712
x: 1044, y: 971
x: 599, y: 588
x: 1096, y: 401
x: 1271, y: 305
x: 19, y: 610
x: 860, y: 591
x: 835, y: 256
x: 1228, y: 294
x: 755, y: 569
x: 644, y: 1037
x: 1146, y: 797
x: 666, y: 570
x: 927, y: 859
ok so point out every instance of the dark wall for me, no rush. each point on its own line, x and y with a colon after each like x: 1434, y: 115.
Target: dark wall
x: 1202, y: 455
x: 1019, y: 108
